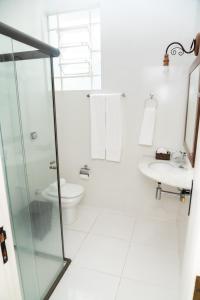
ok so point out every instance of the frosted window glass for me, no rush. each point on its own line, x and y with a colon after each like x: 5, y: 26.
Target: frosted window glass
x: 73, y: 69
x: 75, y: 36
x: 53, y: 38
x: 52, y: 22
x: 78, y: 36
x: 75, y: 53
x: 77, y: 84
x: 73, y: 19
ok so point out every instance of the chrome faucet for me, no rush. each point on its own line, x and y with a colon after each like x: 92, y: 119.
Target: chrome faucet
x: 180, y: 158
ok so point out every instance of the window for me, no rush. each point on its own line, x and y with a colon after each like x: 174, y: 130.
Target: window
x: 77, y: 35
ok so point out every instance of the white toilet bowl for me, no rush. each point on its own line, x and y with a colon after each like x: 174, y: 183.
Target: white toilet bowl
x: 71, y: 195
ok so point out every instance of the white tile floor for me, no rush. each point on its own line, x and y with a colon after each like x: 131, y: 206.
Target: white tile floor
x: 118, y: 257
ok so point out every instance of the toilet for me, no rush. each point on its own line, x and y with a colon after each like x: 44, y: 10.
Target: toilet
x: 71, y: 195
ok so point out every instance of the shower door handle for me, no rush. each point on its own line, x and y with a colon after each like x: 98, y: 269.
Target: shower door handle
x: 52, y: 165
x: 3, y: 238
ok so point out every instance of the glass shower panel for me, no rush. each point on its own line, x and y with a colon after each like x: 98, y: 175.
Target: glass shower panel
x: 36, y: 108
x: 11, y: 148
x: 27, y: 145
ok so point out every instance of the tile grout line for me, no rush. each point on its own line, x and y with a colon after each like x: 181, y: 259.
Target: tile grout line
x: 101, y: 235
x: 112, y: 236
x: 125, y: 260
x: 101, y: 212
x: 129, y: 241
x: 109, y: 237
x: 133, y: 280
x: 150, y: 283
x: 97, y: 271
x: 87, y: 234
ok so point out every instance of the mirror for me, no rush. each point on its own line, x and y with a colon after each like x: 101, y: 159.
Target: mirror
x: 193, y: 111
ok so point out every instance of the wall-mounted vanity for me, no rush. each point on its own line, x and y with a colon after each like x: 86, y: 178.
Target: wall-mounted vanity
x: 170, y: 172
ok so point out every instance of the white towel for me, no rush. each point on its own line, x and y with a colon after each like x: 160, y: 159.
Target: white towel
x: 148, y: 125
x: 113, y: 127
x: 98, y: 129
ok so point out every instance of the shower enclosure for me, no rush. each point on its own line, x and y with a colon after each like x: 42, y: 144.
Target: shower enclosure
x: 28, y: 149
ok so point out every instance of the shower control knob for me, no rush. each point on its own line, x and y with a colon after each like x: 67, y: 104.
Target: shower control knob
x: 52, y: 165
x: 33, y: 135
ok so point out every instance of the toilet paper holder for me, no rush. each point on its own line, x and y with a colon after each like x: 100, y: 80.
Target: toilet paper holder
x: 85, y: 170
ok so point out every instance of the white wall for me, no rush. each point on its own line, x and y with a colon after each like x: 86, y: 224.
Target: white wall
x: 134, y: 37
x: 23, y: 15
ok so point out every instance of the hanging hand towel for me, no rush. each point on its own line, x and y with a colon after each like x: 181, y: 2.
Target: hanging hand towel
x: 98, y: 129
x: 148, y: 125
x: 113, y: 127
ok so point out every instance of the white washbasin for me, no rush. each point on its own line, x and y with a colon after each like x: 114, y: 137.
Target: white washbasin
x: 160, y: 166
x: 166, y: 167
x: 167, y: 172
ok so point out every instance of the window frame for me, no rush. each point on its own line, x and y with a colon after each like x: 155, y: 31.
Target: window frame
x: 92, y: 51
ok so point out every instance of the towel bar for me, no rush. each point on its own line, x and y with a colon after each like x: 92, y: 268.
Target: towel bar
x: 122, y: 95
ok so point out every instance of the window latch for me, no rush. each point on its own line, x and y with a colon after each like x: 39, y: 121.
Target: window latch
x: 3, y: 238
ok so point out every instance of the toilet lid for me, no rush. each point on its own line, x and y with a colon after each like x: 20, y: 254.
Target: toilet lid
x: 68, y: 190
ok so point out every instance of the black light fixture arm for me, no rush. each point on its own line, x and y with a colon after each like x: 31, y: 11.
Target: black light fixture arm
x: 177, y: 48
x: 180, y: 49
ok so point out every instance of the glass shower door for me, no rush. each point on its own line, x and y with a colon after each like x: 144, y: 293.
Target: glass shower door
x: 28, y: 147
x: 14, y: 166
x: 36, y: 107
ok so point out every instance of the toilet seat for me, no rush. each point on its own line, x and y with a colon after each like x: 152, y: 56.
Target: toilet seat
x: 68, y: 191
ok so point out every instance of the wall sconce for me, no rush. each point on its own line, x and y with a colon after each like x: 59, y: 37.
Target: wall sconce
x: 178, y: 48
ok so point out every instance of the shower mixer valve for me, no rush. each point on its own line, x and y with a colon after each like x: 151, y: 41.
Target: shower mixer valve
x: 52, y: 165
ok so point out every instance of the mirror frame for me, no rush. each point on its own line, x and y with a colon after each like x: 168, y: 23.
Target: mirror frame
x: 192, y: 155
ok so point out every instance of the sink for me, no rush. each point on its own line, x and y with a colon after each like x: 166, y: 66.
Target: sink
x: 160, y: 166
x: 166, y: 167
x: 167, y: 172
